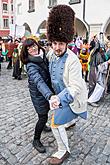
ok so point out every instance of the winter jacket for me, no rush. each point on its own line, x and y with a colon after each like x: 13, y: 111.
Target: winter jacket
x: 39, y: 84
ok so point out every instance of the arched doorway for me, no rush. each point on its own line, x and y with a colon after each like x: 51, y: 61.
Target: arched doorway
x: 80, y: 28
x: 106, y: 29
x: 42, y: 27
x: 27, y: 30
x: 107, y: 32
x: 27, y: 27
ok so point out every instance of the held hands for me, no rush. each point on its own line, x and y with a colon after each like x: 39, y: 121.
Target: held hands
x: 54, y: 102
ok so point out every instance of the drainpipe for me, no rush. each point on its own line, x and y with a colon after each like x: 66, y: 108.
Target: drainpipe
x: 84, y: 4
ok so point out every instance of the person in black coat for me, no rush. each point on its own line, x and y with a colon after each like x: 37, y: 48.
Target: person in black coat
x: 33, y: 55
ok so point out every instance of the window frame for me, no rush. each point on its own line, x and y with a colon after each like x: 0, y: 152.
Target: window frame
x: 12, y: 21
x: 12, y: 7
x: 52, y: 3
x: 6, y: 5
x: 19, y: 6
x: 31, y: 6
x: 72, y: 2
x: 5, y: 23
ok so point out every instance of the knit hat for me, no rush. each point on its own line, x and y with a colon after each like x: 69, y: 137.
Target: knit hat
x: 60, y: 24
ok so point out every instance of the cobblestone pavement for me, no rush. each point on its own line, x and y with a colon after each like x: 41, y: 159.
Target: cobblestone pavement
x: 89, y: 140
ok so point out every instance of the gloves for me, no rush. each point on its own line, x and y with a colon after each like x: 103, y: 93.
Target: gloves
x: 54, y: 102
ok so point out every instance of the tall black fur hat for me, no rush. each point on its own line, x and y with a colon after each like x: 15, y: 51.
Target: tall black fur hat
x: 60, y: 24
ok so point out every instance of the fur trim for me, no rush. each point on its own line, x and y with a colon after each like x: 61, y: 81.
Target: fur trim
x: 60, y: 24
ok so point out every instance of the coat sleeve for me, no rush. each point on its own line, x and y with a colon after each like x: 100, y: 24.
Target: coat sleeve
x: 36, y: 77
x: 74, y: 83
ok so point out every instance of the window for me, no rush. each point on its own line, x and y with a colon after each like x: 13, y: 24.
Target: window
x: 19, y: 8
x: 11, y: 7
x: 52, y: 3
x: 5, y: 23
x: 12, y: 21
x: 31, y: 6
x: 5, y: 7
x: 74, y: 2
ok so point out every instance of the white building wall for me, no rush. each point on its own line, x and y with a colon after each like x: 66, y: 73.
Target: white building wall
x: 97, y: 15
x: 33, y: 19
x: 0, y: 14
x: 9, y: 11
x: 78, y: 8
x: 97, y: 12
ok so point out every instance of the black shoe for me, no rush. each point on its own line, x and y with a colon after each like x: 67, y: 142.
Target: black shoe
x: 19, y: 78
x: 14, y: 77
x: 9, y: 67
x: 86, y: 81
x: 108, y: 91
x: 47, y: 129
x: 39, y: 146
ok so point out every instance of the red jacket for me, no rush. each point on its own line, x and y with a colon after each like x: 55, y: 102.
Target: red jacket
x: 10, y: 47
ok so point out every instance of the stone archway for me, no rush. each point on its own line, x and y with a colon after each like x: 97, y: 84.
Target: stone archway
x: 27, y: 27
x: 80, y: 28
x: 42, y: 27
x: 107, y: 32
x: 106, y: 28
x: 27, y: 30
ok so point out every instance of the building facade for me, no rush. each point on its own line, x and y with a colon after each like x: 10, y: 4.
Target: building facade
x: 92, y: 16
x: 6, y: 16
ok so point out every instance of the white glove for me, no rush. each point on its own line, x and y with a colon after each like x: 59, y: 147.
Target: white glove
x: 54, y: 102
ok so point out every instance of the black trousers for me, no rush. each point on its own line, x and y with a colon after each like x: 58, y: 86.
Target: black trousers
x: 17, y: 70
x: 86, y: 76
x: 108, y: 84
x: 9, y: 63
x: 42, y: 119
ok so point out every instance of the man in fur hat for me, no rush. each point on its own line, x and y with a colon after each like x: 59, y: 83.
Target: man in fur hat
x: 70, y: 100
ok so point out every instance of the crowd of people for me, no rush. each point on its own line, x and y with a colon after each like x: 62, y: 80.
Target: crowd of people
x: 10, y: 52
x: 58, y: 74
x: 95, y: 59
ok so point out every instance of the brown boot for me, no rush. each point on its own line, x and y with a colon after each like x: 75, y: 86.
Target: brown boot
x: 71, y: 126
x: 57, y: 161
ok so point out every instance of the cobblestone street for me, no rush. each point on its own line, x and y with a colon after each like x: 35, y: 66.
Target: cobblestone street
x: 89, y: 140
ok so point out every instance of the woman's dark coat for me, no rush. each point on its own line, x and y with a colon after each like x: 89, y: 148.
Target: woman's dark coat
x: 39, y: 83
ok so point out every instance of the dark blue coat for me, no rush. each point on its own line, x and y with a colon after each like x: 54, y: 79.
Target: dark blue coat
x: 39, y: 84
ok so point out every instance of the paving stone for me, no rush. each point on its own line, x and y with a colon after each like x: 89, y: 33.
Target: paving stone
x: 106, y: 150
x: 89, y: 140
